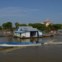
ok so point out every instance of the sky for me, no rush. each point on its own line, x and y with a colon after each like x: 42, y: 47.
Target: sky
x: 30, y: 11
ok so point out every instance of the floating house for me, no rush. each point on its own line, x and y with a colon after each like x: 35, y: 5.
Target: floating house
x: 27, y: 32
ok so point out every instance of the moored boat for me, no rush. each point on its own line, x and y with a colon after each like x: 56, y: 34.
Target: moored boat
x: 27, y: 32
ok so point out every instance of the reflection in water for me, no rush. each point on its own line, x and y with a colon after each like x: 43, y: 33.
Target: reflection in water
x: 34, y: 40
x: 18, y: 40
x: 10, y: 40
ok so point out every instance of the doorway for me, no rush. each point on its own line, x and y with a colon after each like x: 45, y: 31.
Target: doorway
x: 33, y: 34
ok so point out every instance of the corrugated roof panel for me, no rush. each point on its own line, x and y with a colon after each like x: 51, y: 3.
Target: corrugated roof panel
x: 27, y: 28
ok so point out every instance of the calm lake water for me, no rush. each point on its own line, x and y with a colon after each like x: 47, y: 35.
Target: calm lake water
x: 43, y: 53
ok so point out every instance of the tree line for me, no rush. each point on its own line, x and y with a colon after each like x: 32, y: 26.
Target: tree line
x: 39, y: 26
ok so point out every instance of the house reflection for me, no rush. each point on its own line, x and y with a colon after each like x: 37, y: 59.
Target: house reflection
x: 20, y: 41
x: 34, y: 40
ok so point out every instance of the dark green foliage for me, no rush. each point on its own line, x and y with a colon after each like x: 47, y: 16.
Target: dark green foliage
x: 7, y: 25
x: 42, y: 27
x: 0, y: 28
x: 57, y: 26
x: 39, y: 26
x: 17, y: 24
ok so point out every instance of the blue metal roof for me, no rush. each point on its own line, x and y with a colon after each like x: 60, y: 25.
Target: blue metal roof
x: 25, y: 29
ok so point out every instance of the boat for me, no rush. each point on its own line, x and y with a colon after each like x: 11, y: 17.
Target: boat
x: 27, y: 32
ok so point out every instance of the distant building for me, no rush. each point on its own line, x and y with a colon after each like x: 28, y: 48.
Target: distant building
x: 47, y: 22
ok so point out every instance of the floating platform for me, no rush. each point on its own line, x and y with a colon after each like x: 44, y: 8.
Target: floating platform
x: 20, y: 45
x: 43, y: 36
x: 25, y: 45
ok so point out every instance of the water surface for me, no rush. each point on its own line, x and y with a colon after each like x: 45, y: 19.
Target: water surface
x: 43, y: 53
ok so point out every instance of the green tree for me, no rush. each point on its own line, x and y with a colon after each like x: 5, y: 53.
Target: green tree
x: 7, y: 25
x: 17, y: 24
x: 57, y: 26
x: 39, y: 26
x: 0, y: 28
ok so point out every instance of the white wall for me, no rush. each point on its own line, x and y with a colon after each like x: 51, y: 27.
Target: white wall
x: 40, y: 33
x: 27, y: 34
x: 17, y: 34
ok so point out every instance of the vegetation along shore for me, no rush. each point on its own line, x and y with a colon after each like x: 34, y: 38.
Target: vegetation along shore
x: 7, y: 28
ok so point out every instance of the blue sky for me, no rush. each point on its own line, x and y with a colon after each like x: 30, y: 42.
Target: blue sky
x: 30, y: 11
